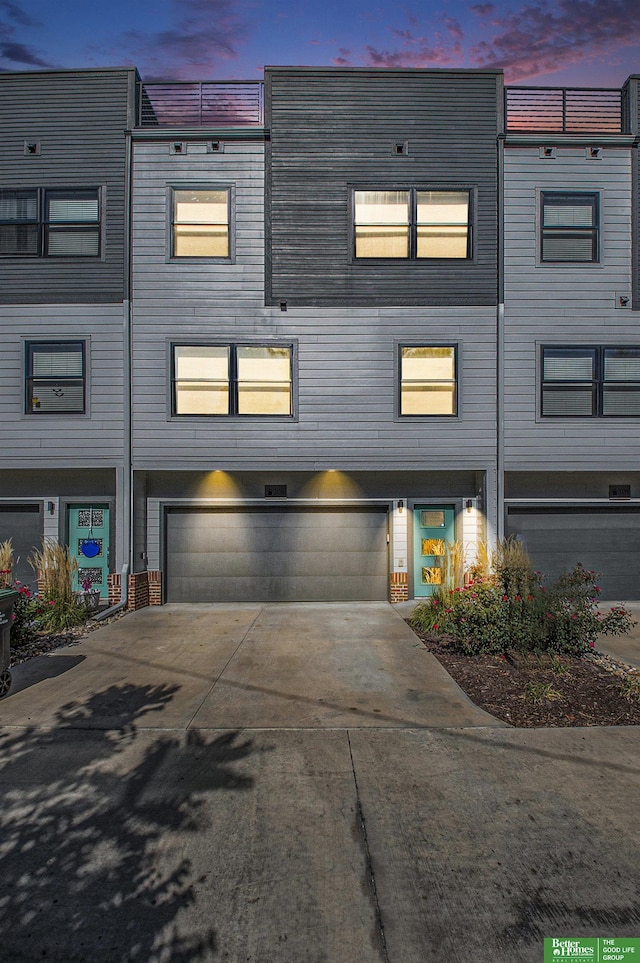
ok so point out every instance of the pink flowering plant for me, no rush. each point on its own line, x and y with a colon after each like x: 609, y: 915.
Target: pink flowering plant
x: 512, y: 608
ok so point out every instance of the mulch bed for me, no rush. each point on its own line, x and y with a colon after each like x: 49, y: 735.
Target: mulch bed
x: 42, y: 642
x: 533, y: 692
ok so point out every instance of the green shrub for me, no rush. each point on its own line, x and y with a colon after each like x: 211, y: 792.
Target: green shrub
x: 511, y: 608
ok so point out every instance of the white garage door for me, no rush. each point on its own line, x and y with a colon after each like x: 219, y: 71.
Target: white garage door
x: 605, y: 540
x: 276, y: 554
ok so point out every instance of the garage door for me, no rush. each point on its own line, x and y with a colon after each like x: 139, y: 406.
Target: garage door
x: 275, y: 554
x: 605, y: 539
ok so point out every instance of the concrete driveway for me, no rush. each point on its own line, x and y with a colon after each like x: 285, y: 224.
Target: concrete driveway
x: 297, y: 784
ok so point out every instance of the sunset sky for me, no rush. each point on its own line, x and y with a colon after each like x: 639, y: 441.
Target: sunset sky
x: 584, y: 43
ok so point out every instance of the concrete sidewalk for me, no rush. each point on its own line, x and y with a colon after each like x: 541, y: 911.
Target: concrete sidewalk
x: 129, y: 831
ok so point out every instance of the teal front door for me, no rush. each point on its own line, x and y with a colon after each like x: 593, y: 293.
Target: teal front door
x: 89, y: 544
x: 433, y: 527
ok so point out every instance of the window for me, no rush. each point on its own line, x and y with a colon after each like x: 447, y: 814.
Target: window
x: 200, y: 223
x: 55, y: 382
x: 590, y: 382
x: 428, y: 383
x: 569, y: 227
x: 232, y: 379
x: 412, y: 224
x: 50, y: 223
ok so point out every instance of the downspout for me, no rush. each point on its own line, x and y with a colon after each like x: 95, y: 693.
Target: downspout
x: 127, y: 494
x: 500, y: 509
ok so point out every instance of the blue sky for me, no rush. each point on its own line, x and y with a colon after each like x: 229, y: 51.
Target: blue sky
x: 565, y: 43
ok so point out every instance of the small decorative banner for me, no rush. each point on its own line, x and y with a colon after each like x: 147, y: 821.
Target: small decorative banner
x: 592, y: 949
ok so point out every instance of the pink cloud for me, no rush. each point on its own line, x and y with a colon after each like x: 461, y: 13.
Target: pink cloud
x: 540, y: 39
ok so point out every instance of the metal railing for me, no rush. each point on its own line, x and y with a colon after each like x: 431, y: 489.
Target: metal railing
x: 233, y: 103
x: 564, y: 110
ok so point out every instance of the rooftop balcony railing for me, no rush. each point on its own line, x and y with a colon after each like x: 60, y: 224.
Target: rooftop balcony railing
x: 563, y: 110
x: 234, y: 103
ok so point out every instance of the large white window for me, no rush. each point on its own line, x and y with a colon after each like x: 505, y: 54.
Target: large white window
x: 428, y: 380
x: 232, y: 379
x: 200, y: 222
x: 412, y: 223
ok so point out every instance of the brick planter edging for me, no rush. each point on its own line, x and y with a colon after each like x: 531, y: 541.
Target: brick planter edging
x: 145, y: 588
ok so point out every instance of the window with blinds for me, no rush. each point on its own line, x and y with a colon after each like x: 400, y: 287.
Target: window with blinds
x: 570, y: 227
x: 428, y: 380
x: 55, y: 377
x: 591, y: 382
x: 50, y: 223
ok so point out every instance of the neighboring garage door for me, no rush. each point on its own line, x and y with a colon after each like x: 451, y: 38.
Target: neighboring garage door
x: 276, y: 555
x: 23, y: 525
x: 606, y: 540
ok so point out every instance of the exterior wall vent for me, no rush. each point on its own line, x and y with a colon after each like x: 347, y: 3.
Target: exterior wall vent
x: 275, y: 491
x: 548, y: 153
x: 215, y: 147
x: 619, y: 492
x: 593, y: 153
x: 401, y: 147
x: 177, y: 147
x: 623, y: 300
x: 31, y: 147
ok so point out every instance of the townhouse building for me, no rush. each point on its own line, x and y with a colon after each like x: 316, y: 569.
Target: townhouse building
x: 570, y: 357
x: 63, y: 308
x: 281, y: 341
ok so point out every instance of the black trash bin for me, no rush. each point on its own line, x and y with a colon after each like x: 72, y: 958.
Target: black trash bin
x: 7, y: 601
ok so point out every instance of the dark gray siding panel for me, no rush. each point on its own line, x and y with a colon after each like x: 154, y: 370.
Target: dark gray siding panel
x: 276, y: 555
x: 332, y: 130
x: 79, y: 119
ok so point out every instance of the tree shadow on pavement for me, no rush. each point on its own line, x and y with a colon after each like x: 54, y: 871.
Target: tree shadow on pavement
x: 91, y: 826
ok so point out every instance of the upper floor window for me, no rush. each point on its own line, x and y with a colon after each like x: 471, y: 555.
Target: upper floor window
x: 55, y: 377
x: 200, y: 222
x: 591, y: 382
x: 570, y: 227
x: 232, y: 379
x: 428, y: 381
x: 50, y: 223
x: 412, y: 223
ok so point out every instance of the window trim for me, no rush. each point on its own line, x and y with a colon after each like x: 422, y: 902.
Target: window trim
x: 231, y: 206
x: 456, y: 384
x: 413, y: 190
x: 43, y: 223
x: 595, y: 230
x: 598, y: 382
x: 233, y: 413
x: 29, y: 344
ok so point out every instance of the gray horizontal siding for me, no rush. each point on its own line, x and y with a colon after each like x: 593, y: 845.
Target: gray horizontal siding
x: 79, y: 119
x: 91, y: 440
x: 347, y: 364
x: 334, y: 129
x: 564, y: 304
x: 186, y: 283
